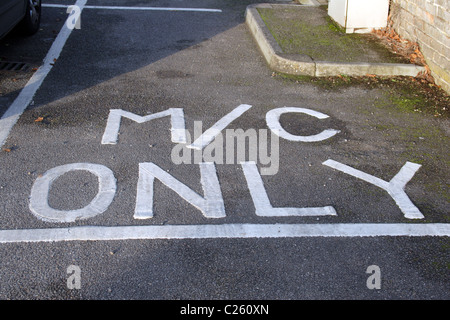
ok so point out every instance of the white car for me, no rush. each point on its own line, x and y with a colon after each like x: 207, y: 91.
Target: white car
x: 26, y: 13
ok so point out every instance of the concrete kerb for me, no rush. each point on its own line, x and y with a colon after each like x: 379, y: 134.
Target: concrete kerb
x: 298, y: 64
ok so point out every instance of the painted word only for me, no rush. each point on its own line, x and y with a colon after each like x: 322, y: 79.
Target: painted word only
x: 211, y: 203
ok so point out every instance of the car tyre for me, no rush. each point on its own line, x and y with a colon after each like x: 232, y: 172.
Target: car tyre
x: 32, y: 19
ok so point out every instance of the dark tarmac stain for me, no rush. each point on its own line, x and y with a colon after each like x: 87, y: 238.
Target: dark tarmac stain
x: 172, y: 74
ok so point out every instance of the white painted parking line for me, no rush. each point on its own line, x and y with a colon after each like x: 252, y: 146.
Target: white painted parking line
x: 12, y: 115
x: 137, y: 8
x: 211, y: 203
x: 213, y: 231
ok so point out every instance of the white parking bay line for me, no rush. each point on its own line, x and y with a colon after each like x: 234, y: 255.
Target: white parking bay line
x: 138, y: 8
x: 12, y: 115
x: 220, y: 231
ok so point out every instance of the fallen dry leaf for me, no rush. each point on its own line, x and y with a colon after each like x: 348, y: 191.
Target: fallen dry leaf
x: 408, y: 49
x: 39, y: 119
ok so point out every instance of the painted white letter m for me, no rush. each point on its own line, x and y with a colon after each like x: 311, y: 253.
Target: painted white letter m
x: 178, y: 133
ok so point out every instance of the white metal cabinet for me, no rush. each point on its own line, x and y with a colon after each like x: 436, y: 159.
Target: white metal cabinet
x: 359, y: 15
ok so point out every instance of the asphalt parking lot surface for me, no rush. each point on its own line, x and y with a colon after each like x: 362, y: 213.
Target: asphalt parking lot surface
x: 105, y: 194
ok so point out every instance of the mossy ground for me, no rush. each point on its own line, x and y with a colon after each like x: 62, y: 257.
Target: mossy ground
x: 312, y: 32
x: 406, y: 94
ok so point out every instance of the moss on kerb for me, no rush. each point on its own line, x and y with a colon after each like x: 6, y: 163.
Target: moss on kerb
x: 312, y: 32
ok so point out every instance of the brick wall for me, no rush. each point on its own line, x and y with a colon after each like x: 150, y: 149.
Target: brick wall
x: 426, y: 22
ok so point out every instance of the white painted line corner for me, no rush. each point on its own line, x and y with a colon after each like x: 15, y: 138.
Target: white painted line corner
x: 138, y: 8
x: 12, y: 115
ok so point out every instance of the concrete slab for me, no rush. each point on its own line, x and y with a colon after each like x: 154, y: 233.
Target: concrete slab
x: 296, y: 62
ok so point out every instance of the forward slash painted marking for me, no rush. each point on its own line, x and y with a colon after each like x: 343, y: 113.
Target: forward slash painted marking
x: 137, y: 8
x: 214, y: 231
x: 208, y: 136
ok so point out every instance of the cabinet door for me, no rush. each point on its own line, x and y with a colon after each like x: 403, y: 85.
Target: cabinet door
x: 367, y: 13
x: 337, y: 10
